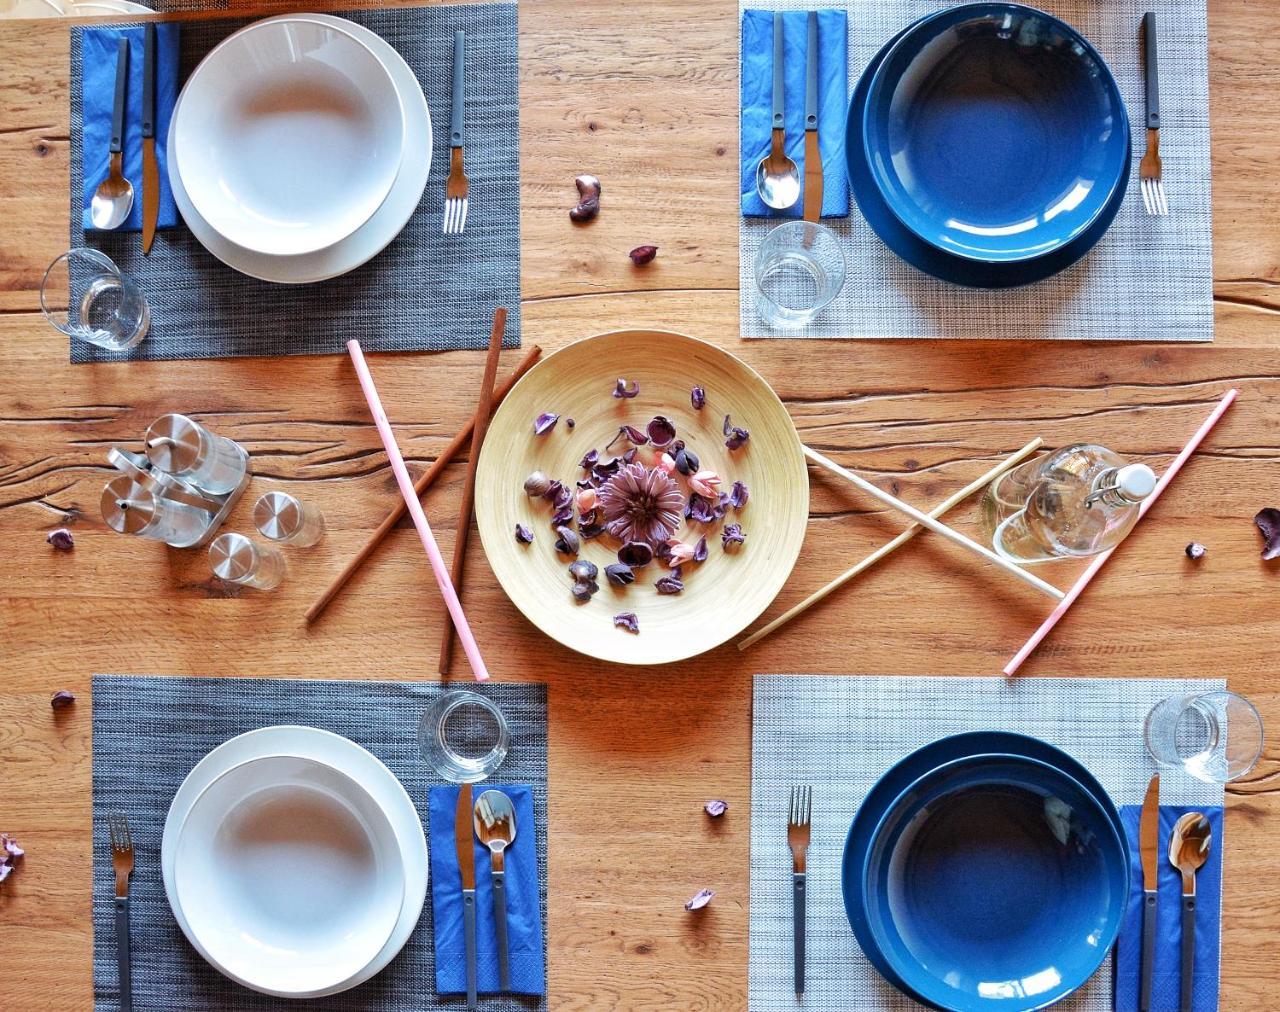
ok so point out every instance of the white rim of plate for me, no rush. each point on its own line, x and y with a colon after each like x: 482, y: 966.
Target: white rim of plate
x: 356, y: 762
x: 371, y: 238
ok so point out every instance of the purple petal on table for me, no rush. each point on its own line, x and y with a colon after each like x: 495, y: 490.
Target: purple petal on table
x: 544, y: 423
x: 670, y: 584
x: 61, y: 539
x: 636, y: 554
x: 524, y: 535
x: 625, y: 389
x: 698, y: 398
x: 661, y: 430
x: 739, y: 495
x: 9, y: 848
x: 1268, y: 522
x: 628, y: 621
x: 62, y: 699
x: 715, y: 809
x: 590, y: 460
x: 732, y: 535
x: 700, y: 550
x: 700, y: 900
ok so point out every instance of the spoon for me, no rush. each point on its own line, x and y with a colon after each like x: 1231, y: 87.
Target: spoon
x: 495, y: 821
x: 1188, y: 851
x: 113, y: 200
x: 778, y: 177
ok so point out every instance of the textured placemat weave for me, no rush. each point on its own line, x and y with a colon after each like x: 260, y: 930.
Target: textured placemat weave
x: 148, y: 732
x: 424, y: 292
x: 1149, y: 279
x: 841, y: 733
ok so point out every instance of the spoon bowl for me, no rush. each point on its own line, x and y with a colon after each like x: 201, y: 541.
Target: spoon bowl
x: 113, y: 199
x: 778, y: 178
x: 1189, y: 848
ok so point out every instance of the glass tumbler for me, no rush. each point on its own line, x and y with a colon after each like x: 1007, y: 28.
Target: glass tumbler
x: 463, y: 735
x: 86, y: 297
x: 800, y: 268
x: 1214, y: 736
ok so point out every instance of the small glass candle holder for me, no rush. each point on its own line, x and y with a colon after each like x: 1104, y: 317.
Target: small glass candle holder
x: 86, y: 296
x: 190, y: 452
x: 282, y: 518
x: 1214, y: 736
x: 236, y: 559
x: 463, y: 735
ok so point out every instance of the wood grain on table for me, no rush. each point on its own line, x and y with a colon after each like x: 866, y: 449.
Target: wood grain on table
x: 646, y: 98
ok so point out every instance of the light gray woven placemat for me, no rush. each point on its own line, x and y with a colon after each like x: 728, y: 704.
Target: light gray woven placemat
x: 424, y: 292
x: 1149, y: 279
x: 841, y: 733
x: 149, y: 731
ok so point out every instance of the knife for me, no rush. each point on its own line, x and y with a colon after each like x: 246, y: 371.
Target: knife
x: 812, y: 155
x: 150, y: 168
x: 1149, y: 848
x: 462, y: 835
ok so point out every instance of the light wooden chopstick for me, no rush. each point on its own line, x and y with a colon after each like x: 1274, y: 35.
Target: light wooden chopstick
x: 888, y: 549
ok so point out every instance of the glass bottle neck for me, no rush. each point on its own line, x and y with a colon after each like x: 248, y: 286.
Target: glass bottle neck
x: 1107, y: 492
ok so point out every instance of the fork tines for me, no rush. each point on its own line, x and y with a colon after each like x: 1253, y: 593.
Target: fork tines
x: 118, y: 827
x: 455, y: 215
x: 801, y: 806
x: 1153, y: 198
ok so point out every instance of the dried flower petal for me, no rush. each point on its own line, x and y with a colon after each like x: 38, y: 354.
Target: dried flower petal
x: 661, y: 430
x: 704, y: 510
x: 1268, y: 522
x: 732, y: 536
x: 562, y: 496
x: 700, y: 550
x: 61, y: 539
x: 628, y: 621
x: 642, y: 255
x: 590, y: 460
x: 544, y: 423
x: 625, y: 389
x: 705, y: 483
x: 700, y: 900
x: 1195, y: 550
x: 671, y: 584
x: 554, y: 492
x: 584, y: 589
x: 662, y: 551
x: 620, y: 574
x: 667, y: 464
x: 636, y: 554
x: 715, y: 809
x: 680, y: 553
x: 562, y: 517
x: 734, y: 436
x: 687, y: 461
x: 739, y: 495
x: 583, y: 570
x: 570, y: 423
x: 641, y: 504
x: 9, y: 849
x: 5, y: 870
x: 568, y: 541
x: 537, y: 484
x: 586, y: 500
x: 524, y: 535
x: 698, y: 398
x: 590, y: 529
x: 631, y: 434
x: 588, y: 205
x: 62, y: 699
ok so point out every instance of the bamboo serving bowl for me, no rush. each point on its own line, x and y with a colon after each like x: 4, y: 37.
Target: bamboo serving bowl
x: 722, y: 595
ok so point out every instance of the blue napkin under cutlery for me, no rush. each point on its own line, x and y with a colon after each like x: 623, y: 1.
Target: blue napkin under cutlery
x: 98, y: 84
x: 1166, y: 977
x: 524, y: 918
x: 833, y: 104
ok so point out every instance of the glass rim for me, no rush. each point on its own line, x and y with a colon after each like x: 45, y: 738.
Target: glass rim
x: 780, y: 233
x: 433, y: 739
x: 88, y: 253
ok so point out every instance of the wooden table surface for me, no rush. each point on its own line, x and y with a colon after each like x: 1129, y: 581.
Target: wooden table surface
x: 647, y: 99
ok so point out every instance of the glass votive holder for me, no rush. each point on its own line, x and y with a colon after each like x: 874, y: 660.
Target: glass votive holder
x: 86, y: 296
x: 282, y: 518
x: 236, y: 559
x: 799, y: 270
x: 463, y: 735
x: 1213, y: 736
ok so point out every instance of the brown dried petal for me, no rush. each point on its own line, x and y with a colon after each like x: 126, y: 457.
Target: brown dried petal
x: 582, y: 570
x: 62, y: 699
x: 642, y: 255
x: 61, y: 539
x: 661, y: 431
x: 636, y: 554
x: 583, y: 589
x: 620, y: 574
x: 537, y: 484
x: 568, y: 541
x: 671, y: 584
x: 1268, y: 522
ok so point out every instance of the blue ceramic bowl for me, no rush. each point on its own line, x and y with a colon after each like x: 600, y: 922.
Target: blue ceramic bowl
x: 930, y: 259
x: 995, y: 132
x: 995, y: 882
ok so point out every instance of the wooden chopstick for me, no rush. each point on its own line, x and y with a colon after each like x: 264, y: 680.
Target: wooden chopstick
x: 484, y: 410
x: 427, y: 479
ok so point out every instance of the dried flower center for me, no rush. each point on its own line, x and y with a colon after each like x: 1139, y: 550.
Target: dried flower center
x: 641, y: 504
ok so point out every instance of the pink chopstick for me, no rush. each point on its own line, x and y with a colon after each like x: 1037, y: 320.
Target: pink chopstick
x: 1098, y: 563
x: 415, y: 510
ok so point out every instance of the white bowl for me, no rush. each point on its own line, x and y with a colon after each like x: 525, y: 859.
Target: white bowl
x: 289, y: 874
x: 289, y: 135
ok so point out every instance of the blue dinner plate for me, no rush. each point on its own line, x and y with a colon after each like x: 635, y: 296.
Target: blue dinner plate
x: 905, y: 772
x: 995, y: 882
x: 931, y: 260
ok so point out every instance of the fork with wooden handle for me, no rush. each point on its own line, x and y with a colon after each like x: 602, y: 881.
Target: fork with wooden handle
x: 122, y: 863
x: 798, y: 841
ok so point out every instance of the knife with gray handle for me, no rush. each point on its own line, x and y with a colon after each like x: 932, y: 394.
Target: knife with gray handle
x: 467, y: 869
x: 1149, y: 849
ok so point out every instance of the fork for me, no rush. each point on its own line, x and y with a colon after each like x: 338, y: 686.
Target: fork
x: 798, y: 841
x: 122, y: 862
x: 455, y: 187
x: 1149, y: 169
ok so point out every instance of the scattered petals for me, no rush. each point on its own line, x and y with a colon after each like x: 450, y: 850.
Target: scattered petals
x: 636, y: 554
x: 625, y: 389
x: 700, y: 550
x: 568, y: 542
x: 628, y: 621
x: 739, y: 495
x: 661, y: 431
x: 715, y: 809
x: 700, y: 900
x: 671, y: 584
x: 642, y: 255
x: 667, y: 464
x: 620, y: 574
x: 1268, y: 522
x: 705, y: 484
x: 62, y: 699
x: 732, y: 536
x: 61, y: 539
x: 544, y: 423
x: 680, y: 553
x: 698, y: 398
x: 687, y: 461
x: 586, y: 499
x: 1195, y: 550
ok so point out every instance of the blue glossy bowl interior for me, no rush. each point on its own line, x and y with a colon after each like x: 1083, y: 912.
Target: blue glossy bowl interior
x: 995, y: 882
x: 930, y: 259
x: 905, y: 772
x: 995, y: 132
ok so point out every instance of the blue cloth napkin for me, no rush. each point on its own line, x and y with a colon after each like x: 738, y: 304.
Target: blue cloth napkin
x: 524, y: 920
x: 757, y: 104
x: 98, y: 91
x: 1166, y: 977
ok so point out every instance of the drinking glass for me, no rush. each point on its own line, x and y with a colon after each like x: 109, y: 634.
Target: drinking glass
x: 1214, y: 736
x: 463, y: 735
x: 102, y: 305
x: 799, y: 269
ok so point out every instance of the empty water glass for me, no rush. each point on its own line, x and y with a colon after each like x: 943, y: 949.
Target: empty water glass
x: 463, y: 735
x: 1214, y: 736
x: 85, y: 296
x: 800, y: 268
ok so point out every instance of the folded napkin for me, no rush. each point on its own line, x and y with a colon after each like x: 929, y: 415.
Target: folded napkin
x: 757, y: 104
x: 1166, y: 977
x: 98, y: 84
x: 524, y: 919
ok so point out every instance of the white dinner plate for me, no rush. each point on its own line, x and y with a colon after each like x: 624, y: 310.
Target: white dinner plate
x: 108, y: 7
x: 357, y: 763
x: 372, y: 237
x: 289, y: 874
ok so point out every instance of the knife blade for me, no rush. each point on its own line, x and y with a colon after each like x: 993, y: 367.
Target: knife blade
x: 1149, y: 850
x: 812, y: 153
x: 462, y: 831
x: 150, y: 167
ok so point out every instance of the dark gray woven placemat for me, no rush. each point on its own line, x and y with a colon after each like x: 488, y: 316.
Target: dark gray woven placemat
x: 424, y: 292
x: 148, y: 732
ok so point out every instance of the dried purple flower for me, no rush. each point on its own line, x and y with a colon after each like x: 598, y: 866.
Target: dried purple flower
x: 561, y: 495
x: 61, y: 539
x: 588, y: 529
x: 687, y: 461
x: 641, y: 504
x: 698, y: 398
x: 662, y: 550
x: 544, y: 423
x: 628, y: 621
x: 739, y: 495
x: 584, y: 589
x: 636, y: 554
x: 1268, y: 522
x: 554, y: 492
x: 700, y: 550
x: 732, y: 536
x: 734, y: 436
x: 570, y: 423
x: 642, y: 255
x: 620, y: 574
x: 590, y: 460
x: 62, y: 699
x: 671, y: 584
x: 631, y: 434
x: 588, y: 205
x: 537, y: 484
x: 562, y: 517
x: 9, y: 849
x: 568, y: 542
x: 660, y: 431
x: 700, y: 900
x: 715, y: 809
x: 625, y: 389
x: 1195, y: 550
x: 703, y: 510
x: 582, y: 570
